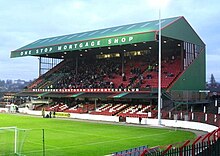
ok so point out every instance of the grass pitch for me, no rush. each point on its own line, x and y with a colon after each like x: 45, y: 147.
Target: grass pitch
x: 79, y: 138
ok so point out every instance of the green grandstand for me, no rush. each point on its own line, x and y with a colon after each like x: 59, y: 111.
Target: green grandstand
x: 179, y: 41
x: 112, y: 75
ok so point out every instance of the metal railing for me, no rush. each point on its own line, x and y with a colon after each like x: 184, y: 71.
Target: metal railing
x: 208, y: 145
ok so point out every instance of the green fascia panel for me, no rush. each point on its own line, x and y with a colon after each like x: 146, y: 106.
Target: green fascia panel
x: 190, y: 103
x: 42, y: 94
x: 194, y: 77
x: 75, y: 95
x: 181, y: 30
x: 96, y: 43
x: 120, y: 95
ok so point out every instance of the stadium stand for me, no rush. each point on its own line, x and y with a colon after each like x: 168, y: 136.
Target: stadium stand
x: 108, y: 74
x: 109, y: 109
x: 143, y: 111
x: 57, y: 107
x: 85, y: 108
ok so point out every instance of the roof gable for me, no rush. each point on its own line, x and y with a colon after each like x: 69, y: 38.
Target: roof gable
x: 180, y: 29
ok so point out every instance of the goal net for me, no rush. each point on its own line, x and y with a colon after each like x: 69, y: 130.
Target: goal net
x: 12, y: 140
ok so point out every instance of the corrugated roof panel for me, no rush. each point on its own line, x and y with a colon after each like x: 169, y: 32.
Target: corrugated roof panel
x: 82, y: 34
x: 45, y: 40
x: 74, y: 35
x: 53, y: 39
x: 104, y: 31
x: 131, y: 27
x: 144, y: 25
x: 62, y: 38
x: 118, y: 28
x: 160, y: 22
x: 135, y: 28
x: 94, y: 32
x: 35, y: 42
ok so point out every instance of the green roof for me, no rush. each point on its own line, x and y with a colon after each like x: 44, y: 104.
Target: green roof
x: 141, y: 32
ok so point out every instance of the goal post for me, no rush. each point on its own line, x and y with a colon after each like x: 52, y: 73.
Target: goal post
x: 12, y: 140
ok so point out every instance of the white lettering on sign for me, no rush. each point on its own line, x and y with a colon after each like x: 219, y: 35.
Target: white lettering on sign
x: 65, y: 47
x: 109, y: 41
x: 87, y: 44
x: 130, y: 38
x: 80, y: 45
x: 88, y: 90
x: 75, y: 45
x: 116, y: 40
x: 92, y: 43
x: 59, y: 48
x: 123, y: 39
x: 70, y: 46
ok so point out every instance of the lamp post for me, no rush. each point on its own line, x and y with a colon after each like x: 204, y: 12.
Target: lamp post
x: 159, y: 67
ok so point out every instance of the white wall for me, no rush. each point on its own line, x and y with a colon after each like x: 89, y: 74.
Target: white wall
x: 76, y: 115
x: 3, y: 110
x: 146, y: 121
x: 94, y: 117
x: 174, y: 123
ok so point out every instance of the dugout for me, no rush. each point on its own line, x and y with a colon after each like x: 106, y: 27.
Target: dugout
x: 133, y: 41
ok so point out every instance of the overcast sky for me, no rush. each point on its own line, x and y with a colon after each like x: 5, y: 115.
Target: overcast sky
x: 24, y: 21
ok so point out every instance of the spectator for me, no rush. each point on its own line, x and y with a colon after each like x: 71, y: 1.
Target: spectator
x: 43, y: 112
x: 123, y: 77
